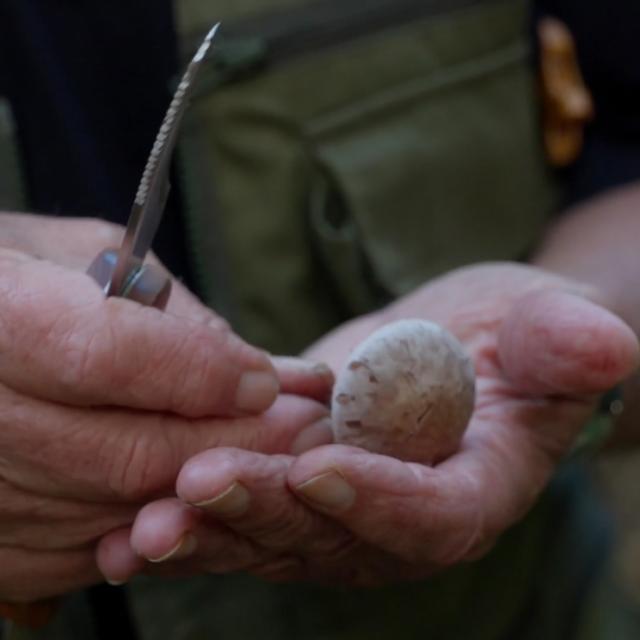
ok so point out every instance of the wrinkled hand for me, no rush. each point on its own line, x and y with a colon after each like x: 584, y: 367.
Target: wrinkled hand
x: 543, y: 352
x: 75, y: 242
x: 102, y: 403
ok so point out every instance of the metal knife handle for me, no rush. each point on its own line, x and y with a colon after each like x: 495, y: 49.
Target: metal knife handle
x: 145, y: 283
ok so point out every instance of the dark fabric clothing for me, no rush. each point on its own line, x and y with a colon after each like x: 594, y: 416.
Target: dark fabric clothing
x: 89, y: 85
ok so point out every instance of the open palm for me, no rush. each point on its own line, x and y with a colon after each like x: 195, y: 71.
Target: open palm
x: 543, y: 353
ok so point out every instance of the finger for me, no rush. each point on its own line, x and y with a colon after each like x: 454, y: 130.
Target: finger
x: 74, y: 242
x: 215, y: 549
x: 44, y: 523
x: 294, y: 424
x: 248, y: 492
x: 304, y: 377
x: 177, y: 538
x: 432, y: 517
x: 61, y: 340
x: 29, y: 575
x: 71, y: 242
x: 454, y: 511
x: 113, y: 455
x: 116, y: 559
x: 334, y: 347
x: 162, y: 531
x: 556, y: 343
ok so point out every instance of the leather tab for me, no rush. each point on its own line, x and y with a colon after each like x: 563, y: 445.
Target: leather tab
x: 567, y: 102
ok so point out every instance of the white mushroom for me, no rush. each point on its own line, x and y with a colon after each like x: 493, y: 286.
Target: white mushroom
x: 407, y: 391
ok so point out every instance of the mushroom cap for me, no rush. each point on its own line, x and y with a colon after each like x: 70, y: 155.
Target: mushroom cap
x: 408, y: 391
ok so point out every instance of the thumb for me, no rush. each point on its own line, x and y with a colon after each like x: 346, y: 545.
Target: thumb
x: 558, y: 343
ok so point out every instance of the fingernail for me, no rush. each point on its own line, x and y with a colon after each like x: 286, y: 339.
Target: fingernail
x: 183, y: 549
x: 234, y: 501
x: 315, y: 435
x: 115, y: 583
x: 329, y: 490
x: 256, y: 391
x: 323, y: 370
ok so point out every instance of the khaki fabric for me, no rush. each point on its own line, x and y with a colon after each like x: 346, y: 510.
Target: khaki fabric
x: 326, y: 183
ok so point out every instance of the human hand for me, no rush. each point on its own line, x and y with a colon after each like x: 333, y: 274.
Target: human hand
x: 75, y: 242
x: 543, y: 352
x: 102, y: 402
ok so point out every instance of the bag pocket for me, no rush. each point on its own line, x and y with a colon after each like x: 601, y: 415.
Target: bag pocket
x: 429, y: 175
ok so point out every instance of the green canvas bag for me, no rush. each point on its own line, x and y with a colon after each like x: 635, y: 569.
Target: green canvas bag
x: 339, y: 153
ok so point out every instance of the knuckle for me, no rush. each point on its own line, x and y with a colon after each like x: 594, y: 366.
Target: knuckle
x: 304, y: 533
x: 337, y: 547
x: 202, y: 367
x: 76, y: 352
x: 142, y: 468
x: 47, y: 334
x: 80, y: 347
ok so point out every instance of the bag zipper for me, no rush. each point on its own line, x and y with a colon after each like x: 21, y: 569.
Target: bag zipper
x: 248, y: 46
